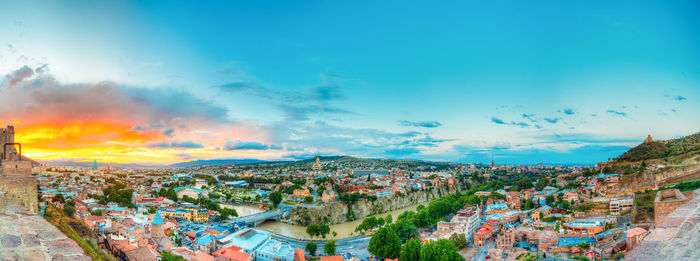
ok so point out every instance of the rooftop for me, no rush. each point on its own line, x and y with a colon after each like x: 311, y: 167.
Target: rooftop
x: 575, y: 240
x: 157, y: 220
x: 584, y: 224
x: 276, y: 248
x: 249, y: 239
x: 204, y: 240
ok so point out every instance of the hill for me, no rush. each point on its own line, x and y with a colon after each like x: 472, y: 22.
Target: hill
x: 328, y: 158
x: 671, y: 151
x: 90, y: 164
x: 679, y: 161
x: 215, y: 162
x: 78, y: 231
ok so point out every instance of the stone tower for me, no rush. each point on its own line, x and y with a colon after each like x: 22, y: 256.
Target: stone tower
x: 17, y: 185
x: 648, y: 139
x: 7, y: 135
x: 157, y: 230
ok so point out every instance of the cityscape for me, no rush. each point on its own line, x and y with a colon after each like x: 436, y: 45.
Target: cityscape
x: 293, y: 131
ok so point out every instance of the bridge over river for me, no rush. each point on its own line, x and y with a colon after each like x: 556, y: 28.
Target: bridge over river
x: 257, y: 219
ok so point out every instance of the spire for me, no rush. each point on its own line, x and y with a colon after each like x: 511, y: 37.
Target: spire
x: 157, y: 220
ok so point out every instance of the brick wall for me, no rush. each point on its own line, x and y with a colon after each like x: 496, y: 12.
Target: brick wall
x: 666, y: 202
x: 16, y: 167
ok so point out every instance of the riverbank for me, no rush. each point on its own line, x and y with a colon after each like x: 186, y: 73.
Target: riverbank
x: 340, y: 212
x: 244, y: 210
x: 343, y: 230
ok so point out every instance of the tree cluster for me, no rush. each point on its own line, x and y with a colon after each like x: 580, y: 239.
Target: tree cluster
x: 116, y: 193
x: 315, y: 230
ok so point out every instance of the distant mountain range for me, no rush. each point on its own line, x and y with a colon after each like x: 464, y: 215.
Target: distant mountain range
x: 90, y: 164
x: 187, y: 164
x: 215, y: 162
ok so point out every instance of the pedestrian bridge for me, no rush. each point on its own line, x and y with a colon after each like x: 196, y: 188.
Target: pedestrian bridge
x: 257, y: 219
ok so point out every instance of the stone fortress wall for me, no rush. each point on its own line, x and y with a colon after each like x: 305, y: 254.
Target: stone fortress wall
x: 666, y: 202
x: 24, y: 235
x: 17, y: 185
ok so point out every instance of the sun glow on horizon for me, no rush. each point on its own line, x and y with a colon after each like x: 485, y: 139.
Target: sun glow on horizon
x: 115, y: 143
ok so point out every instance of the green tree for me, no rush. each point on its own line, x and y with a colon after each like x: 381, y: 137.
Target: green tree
x: 410, y: 251
x: 58, y: 198
x: 168, y: 193
x: 97, y: 212
x: 69, y: 210
x: 565, y: 205
x: 367, y: 224
x: 276, y: 198
x: 226, y: 213
x: 423, y: 218
x: 151, y: 210
x: 324, y: 230
x: 329, y: 247
x: 165, y: 256
x: 313, y: 230
x: 550, y: 199
x: 311, y: 248
x: 385, y: 243
x: 405, y: 229
x: 541, y: 184
x: 309, y: 199
x: 442, y: 249
x: 584, y: 245
x: 459, y: 239
x: 496, y: 195
x: 388, y: 219
x: 528, y: 204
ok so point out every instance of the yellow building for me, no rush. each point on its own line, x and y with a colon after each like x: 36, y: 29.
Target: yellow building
x: 190, y: 214
x: 199, y: 215
x: 301, y: 193
x: 317, y: 165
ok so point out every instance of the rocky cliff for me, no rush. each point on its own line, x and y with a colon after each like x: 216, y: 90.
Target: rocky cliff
x: 338, y: 212
x: 690, y: 170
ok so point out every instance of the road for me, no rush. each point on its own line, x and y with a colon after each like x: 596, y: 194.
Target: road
x: 356, y: 246
x: 483, y: 250
x: 283, y: 209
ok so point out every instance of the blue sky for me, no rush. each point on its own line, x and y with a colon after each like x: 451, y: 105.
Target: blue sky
x: 574, y: 82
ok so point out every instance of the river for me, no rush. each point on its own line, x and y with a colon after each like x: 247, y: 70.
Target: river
x: 344, y: 230
x: 243, y: 210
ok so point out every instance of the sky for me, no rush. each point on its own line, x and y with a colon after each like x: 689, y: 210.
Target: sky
x: 462, y: 81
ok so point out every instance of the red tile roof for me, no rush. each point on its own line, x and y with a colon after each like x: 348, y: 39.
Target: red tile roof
x: 232, y: 253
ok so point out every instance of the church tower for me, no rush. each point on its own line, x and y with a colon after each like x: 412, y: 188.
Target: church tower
x: 317, y: 165
x: 648, y: 139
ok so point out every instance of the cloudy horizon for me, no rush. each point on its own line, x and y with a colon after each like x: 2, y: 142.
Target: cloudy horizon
x: 166, y: 82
